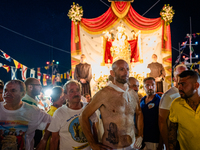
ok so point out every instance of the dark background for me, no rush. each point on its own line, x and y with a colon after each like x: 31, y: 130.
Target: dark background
x: 46, y: 21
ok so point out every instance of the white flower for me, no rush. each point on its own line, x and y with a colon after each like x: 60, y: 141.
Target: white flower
x: 167, y: 14
x: 75, y: 13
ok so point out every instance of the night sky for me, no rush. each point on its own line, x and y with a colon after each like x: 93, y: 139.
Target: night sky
x: 46, y: 21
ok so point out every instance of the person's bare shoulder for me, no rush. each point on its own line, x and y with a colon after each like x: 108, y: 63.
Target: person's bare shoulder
x: 107, y: 89
x: 103, y: 94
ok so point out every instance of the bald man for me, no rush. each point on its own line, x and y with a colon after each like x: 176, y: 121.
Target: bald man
x: 117, y: 105
x: 134, y: 84
x: 33, y: 88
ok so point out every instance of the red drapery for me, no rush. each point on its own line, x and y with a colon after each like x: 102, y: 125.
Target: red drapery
x: 75, y: 46
x: 108, y: 55
x: 100, y: 23
x: 105, y: 21
x: 109, y: 19
x: 166, y: 44
x: 134, y: 51
x: 140, y: 22
x: 120, y: 7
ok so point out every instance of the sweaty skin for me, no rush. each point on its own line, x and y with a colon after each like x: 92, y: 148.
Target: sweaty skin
x: 116, y: 110
x: 117, y: 116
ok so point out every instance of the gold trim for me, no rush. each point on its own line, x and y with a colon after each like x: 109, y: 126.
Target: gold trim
x: 165, y: 32
x: 165, y: 62
x: 168, y: 79
x: 166, y: 51
x: 76, y: 39
x: 167, y: 69
x: 104, y: 50
x: 73, y: 66
x: 78, y: 52
x: 167, y: 57
x: 143, y: 30
x: 124, y: 12
x: 141, y: 60
x: 75, y: 59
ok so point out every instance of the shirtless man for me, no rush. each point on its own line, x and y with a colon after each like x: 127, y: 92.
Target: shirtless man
x: 117, y: 105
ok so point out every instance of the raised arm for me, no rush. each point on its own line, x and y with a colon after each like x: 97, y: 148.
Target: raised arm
x: 172, y: 136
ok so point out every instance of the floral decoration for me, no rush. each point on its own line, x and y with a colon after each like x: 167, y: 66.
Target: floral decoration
x: 75, y: 13
x: 167, y: 14
x: 101, y: 82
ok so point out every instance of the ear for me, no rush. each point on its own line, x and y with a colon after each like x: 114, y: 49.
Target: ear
x: 23, y: 94
x: 112, y: 73
x: 65, y: 96
x: 197, y: 85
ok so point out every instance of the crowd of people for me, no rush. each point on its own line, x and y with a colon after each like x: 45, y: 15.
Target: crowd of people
x: 115, y: 118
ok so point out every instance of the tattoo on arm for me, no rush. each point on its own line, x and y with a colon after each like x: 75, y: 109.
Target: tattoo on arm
x: 113, y: 134
x: 172, y: 137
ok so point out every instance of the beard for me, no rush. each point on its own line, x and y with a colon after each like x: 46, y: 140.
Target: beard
x: 186, y: 95
x: 150, y: 92
x: 35, y: 92
x: 121, y: 79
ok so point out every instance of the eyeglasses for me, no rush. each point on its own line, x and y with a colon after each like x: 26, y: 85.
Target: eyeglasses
x: 36, y: 84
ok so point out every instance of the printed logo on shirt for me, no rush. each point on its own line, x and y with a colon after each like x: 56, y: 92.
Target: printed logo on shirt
x: 73, y: 117
x: 12, y: 134
x: 76, y: 131
x: 151, y: 105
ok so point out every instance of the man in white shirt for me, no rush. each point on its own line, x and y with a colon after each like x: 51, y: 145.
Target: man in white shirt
x: 20, y: 118
x: 65, y: 122
x: 165, y: 103
x: 33, y: 88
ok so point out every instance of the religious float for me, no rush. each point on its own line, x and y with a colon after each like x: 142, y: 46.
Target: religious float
x: 121, y: 33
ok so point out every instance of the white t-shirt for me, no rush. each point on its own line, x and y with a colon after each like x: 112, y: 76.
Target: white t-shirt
x: 21, y: 124
x: 83, y: 99
x: 168, y: 97
x: 66, y: 122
